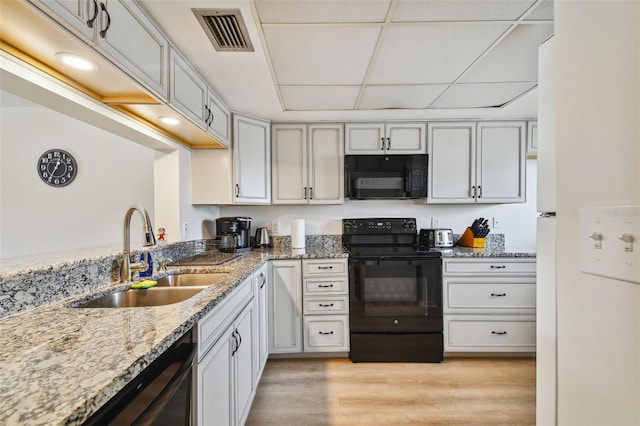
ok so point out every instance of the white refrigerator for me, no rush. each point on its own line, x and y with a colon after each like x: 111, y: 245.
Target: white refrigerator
x: 546, y: 355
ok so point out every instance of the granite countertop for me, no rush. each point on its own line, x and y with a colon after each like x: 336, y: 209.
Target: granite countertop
x: 488, y: 251
x: 59, y: 364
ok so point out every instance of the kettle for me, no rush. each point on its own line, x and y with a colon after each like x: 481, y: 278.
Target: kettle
x: 263, y: 239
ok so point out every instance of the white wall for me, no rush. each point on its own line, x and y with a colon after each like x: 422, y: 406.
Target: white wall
x: 518, y: 220
x: 113, y: 174
x: 598, y: 164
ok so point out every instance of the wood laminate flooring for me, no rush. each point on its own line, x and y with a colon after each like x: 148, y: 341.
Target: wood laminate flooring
x: 459, y: 391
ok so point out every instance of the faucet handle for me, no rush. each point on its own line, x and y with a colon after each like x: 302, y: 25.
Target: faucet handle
x: 162, y: 263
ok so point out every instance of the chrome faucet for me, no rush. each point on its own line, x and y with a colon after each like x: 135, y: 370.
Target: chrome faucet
x: 128, y: 268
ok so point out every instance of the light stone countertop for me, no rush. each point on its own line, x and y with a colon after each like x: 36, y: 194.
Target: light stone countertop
x: 58, y: 365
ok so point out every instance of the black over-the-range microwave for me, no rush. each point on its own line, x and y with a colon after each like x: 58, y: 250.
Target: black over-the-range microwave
x: 385, y: 176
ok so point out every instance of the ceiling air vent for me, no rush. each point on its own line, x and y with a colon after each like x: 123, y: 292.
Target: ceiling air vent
x: 225, y: 28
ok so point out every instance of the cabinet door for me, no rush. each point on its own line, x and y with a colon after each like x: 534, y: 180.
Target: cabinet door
x: 136, y: 44
x: 76, y: 13
x: 285, y: 306
x: 252, y: 160
x: 262, y: 319
x: 326, y: 164
x: 501, y: 162
x: 243, y: 363
x: 219, y: 119
x: 452, y: 151
x: 214, y: 383
x: 364, y: 138
x: 289, y: 164
x: 188, y: 92
x: 406, y: 138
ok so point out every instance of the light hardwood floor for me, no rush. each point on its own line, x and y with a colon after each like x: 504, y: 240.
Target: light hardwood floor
x: 459, y: 391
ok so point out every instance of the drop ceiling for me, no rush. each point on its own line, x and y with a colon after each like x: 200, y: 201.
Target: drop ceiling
x: 332, y: 58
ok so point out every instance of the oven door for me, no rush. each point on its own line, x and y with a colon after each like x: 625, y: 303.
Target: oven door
x: 395, y: 294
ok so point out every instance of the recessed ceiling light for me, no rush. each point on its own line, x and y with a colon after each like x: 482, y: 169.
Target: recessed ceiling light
x: 77, y: 62
x: 170, y: 120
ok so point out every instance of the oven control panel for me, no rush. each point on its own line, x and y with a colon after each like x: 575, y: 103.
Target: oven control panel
x: 379, y: 226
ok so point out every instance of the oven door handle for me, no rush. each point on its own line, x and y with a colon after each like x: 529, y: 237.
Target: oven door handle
x: 392, y: 257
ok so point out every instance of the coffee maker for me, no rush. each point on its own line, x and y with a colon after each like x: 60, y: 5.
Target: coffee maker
x: 240, y: 226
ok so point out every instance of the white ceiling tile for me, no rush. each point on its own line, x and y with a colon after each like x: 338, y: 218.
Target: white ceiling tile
x: 314, y: 11
x: 515, y: 58
x: 544, y: 11
x: 405, y: 96
x: 431, y: 53
x: 459, y: 10
x: 481, y: 95
x: 321, y: 55
x: 302, y: 98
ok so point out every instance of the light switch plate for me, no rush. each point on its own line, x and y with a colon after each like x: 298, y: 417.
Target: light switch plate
x: 603, y: 250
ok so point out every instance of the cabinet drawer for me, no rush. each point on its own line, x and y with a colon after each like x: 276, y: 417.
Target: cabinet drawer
x: 486, y: 295
x: 324, y: 333
x: 326, y: 305
x: 324, y: 266
x: 325, y: 285
x: 492, y: 266
x: 485, y: 333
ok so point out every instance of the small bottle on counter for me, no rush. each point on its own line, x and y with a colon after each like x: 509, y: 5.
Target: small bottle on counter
x: 146, y: 256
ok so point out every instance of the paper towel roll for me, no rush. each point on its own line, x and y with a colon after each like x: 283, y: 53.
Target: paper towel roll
x: 297, y: 233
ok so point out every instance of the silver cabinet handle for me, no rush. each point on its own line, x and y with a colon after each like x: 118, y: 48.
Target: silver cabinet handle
x: 325, y: 305
x: 498, y: 294
x: 305, y: 192
x: 382, y: 144
x: 237, y: 190
x: 264, y: 280
x: 499, y: 332
x: 103, y: 33
x: 325, y: 333
x: 310, y: 193
x: 472, y: 193
x: 325, y: 267
x: 479, y: 191
x: 388, y: 143
x: 325, y: 286
x: 497, y: 267
x: 96, y: 9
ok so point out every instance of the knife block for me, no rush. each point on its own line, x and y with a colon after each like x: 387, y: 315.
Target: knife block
x: 467, y: 240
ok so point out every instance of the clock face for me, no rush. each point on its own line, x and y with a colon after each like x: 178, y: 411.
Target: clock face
x: 57, y: 167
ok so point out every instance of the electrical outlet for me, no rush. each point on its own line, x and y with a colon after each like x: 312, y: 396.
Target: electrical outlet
x: 185, y: 229
x: 275, y: 227
x: 435, y: 222
x: 497, y: 223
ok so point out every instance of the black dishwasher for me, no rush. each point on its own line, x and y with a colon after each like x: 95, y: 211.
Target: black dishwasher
x: 160, y: 395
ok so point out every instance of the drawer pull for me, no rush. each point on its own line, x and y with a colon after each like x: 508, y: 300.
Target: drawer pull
x: 499, y: 332
x: 325, y: 305
x: 498, y: 294
x: 325, y: 285
x: 325, y: 333
x: 498, y: 267
x: 325, y: 267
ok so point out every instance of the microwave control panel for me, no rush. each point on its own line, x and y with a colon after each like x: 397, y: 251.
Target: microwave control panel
x: 379, y: 226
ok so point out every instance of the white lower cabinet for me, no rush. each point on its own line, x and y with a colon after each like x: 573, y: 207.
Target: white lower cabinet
x: 308, y: 306
x: 225, y: 379
x: 260, y: 299
x: 489, y: 305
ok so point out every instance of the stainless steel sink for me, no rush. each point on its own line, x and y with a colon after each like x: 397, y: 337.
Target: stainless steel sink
x: 155, y: 296
x: 190, y: 280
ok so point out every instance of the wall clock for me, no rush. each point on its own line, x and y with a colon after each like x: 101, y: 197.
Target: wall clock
x: 57, y: 167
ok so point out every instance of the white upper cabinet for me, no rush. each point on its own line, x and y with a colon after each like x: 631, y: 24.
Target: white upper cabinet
x: 308, y: 164
x: 476, y: 163
x: 218, y: 119
x: 251, y: 160
x: 121, y: 30
x: 389, y: 138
